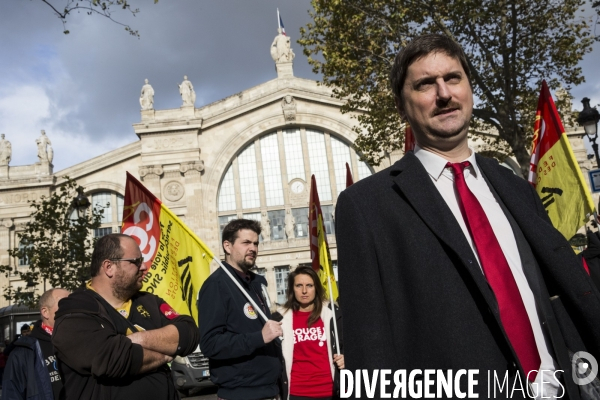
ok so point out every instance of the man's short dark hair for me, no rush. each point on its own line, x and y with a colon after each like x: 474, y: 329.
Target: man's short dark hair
x: 421, y: 47
x: 25, y: 328
x: 230, y: 232
x: 107, y: 247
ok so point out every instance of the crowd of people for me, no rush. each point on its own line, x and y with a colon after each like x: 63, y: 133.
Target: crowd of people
x: 448, y: 261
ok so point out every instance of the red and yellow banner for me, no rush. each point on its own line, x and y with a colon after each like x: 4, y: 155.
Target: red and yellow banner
x: 319, y: 249
x: 177, y: 260
x: 554, y: 171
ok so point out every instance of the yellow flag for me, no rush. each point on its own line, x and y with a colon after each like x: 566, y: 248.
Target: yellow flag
x: 554, y: 171
x: 319, y: 249
x: 178, y: 261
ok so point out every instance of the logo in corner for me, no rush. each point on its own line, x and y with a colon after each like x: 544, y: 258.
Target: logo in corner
x: 249, y: 311
x: 585, y: 368
x: 168, y: 311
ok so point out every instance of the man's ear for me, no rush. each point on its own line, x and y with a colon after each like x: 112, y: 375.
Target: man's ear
x: 45, y: 312
x: 227, y: 247
x: 399, y: 107
x: 108, y: 268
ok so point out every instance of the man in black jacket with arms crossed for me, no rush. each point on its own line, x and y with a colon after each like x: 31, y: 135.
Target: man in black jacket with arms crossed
x: 113, y: 341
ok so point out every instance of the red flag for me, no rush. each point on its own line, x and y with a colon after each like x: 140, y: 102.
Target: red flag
x: 177, y: 260
x: 409, y: 139
x: 554, y: 170
x: 349, y: 180
x: 319, y: 249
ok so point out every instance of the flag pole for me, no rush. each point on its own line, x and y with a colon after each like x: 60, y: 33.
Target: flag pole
x: 278, y: 19
x: 335, y: 330
x: 244, y: 292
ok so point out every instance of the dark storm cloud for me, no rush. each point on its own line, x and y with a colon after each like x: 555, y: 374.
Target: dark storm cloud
x: 91, y: 78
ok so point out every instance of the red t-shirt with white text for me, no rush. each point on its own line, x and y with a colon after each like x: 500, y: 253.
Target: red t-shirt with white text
x: 311, y: 372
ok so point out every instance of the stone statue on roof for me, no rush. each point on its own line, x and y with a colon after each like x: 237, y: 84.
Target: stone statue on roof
x: 45, y: 152
x: 281, y: 49
x: 186, y: 89
x: 147, y: 96
x: 5, y: 151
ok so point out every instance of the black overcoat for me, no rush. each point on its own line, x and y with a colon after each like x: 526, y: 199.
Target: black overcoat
x: 415, y: 296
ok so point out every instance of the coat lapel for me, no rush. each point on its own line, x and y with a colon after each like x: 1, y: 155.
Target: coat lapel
x: 415, y: 185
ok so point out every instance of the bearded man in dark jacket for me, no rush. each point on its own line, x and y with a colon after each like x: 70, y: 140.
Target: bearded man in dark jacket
x: 113, y: 341
x: 31, y: 370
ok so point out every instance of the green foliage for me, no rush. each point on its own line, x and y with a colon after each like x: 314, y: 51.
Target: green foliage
x: 104, y: 8
x: 57, y: 242
x: 511, y: 44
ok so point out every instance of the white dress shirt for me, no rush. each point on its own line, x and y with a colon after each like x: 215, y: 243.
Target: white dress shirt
x: 443, y: 179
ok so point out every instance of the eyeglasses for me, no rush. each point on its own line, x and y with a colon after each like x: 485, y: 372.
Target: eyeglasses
x: 136, y: 261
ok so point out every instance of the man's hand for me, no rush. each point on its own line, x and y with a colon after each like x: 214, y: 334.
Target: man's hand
x: 163, y: 340
x: 271, y: 330
x: 338, y: 359
x: 153, y: 360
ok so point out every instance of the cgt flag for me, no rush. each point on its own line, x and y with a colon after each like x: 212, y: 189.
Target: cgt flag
x: 554, y: 171
x: 178, y: 262
x: 319, y: 250
x: 349, y: 180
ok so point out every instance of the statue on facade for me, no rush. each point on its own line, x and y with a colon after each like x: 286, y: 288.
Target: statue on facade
x: 265, y: 224
x: 5, y: 151
x: 147, y: 96
x: 186, y: 89
x: 45, y: 152
x: 290, y: 224
x: 288, y: 104
x: 281, y: 50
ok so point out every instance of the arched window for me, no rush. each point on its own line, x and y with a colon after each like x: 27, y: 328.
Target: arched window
x: 271, y: 173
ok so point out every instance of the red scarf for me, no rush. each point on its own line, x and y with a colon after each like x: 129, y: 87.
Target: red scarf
x: 47, y: 328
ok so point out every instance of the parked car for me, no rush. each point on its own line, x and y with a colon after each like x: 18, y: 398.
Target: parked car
x: 190, y: 372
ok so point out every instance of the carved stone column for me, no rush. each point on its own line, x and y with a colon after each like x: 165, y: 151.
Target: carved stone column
x: 150, y: 175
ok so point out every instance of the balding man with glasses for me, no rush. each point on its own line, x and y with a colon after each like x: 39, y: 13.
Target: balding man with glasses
x: 113, y: 341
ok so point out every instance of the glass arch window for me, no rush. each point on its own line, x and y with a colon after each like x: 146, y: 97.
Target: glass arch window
x: 258, y: 180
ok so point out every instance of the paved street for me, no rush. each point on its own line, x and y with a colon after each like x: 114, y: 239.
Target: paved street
x: 204, y: 393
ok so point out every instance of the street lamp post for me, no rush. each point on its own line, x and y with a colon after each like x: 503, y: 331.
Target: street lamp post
x: 81, y: 203
x: 588, y: 118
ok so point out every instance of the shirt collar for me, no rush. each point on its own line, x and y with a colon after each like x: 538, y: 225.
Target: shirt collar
x: 244, y: 276
x: 435, y: 164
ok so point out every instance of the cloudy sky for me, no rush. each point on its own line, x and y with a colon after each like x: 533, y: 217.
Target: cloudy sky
x: 83, y: 88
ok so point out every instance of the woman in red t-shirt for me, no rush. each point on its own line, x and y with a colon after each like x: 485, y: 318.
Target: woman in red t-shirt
x: 309, y: 344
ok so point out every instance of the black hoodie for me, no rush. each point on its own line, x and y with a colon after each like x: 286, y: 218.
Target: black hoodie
x: 97, y: 359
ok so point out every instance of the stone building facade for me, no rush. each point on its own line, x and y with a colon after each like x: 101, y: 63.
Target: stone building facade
x: 249, y: 155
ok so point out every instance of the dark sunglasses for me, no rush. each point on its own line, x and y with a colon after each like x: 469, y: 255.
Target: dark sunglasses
x: 136, y: 261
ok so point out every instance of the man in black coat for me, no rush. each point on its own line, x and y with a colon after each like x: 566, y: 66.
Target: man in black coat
x: 31, y: 369
x: 244, y: 357
x: 422, y: 292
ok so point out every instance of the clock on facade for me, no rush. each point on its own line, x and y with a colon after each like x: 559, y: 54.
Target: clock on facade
x: 297, y: 187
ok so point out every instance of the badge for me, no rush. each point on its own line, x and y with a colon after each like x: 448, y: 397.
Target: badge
x: 249, y: 311
x: 143, y: 311
x: 168, y: 311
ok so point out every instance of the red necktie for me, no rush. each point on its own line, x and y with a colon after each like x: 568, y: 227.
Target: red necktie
x: 498, y: 274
